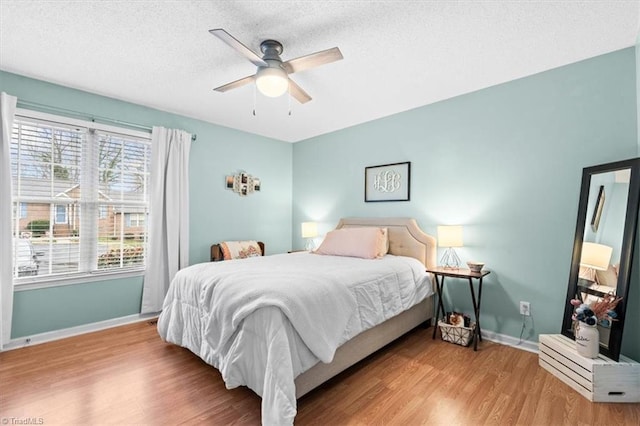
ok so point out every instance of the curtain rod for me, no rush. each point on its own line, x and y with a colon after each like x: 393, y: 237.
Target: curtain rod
x: 91, y: 117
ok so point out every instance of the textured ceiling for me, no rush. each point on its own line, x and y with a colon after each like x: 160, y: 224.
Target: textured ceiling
x: 398, y: 55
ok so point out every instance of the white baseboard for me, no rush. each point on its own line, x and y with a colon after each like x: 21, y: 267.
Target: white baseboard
x: 503, y: 339
x: 525, y: 345
x: 49, y: 336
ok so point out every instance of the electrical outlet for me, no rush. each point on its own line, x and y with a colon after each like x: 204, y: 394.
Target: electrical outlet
x: 525, y: 308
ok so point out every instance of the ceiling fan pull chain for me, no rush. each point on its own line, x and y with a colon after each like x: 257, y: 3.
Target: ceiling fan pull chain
x: 254, y: 100
x: 289, y: 98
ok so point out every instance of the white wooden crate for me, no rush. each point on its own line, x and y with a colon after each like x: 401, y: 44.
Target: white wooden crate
x: 599, y: 380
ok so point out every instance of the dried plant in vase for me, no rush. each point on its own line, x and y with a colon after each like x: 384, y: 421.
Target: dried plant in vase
x: 602, y: 311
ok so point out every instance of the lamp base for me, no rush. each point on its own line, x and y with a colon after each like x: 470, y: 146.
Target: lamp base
x: 311, y: 245
x: 450, y: 259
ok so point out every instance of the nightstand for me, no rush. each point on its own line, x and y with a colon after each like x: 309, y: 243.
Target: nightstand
x: 440, y: 273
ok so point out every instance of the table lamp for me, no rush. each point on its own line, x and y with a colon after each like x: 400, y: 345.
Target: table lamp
x: 309, y: 231
x: 594, y: 257
x: 450, y: 236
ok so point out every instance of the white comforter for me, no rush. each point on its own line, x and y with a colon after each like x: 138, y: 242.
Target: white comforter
x: 263, y: 321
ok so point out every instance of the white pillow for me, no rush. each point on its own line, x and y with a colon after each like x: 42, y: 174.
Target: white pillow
x: 366, y: 243
x: 240, y: 249
x: 608, y: 277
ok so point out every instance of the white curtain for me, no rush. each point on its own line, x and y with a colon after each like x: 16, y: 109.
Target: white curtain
x: 168, y: 214
x: 7, y: 111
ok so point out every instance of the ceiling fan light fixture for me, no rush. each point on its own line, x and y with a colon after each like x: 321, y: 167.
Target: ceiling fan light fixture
x: 271, y: 81
x: 272, y: 76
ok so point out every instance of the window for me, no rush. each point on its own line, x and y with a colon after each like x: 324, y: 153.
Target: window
x: 134, y: 219
x: 74, y: 182
x: 61, y: 213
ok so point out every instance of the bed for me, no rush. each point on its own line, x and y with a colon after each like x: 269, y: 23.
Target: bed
x: 232, y: 315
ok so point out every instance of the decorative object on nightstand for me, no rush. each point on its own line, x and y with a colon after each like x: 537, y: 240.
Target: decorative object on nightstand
x: 309, y: 231
x: 475, y: 266
x: 450, y: 236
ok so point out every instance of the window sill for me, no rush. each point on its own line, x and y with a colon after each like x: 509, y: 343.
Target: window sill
x: 34, y: 283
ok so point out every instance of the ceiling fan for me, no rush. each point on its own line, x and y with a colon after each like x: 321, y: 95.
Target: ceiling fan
x: 272, y: 77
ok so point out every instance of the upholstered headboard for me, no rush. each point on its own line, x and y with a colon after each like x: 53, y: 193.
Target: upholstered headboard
x: 405, y: 237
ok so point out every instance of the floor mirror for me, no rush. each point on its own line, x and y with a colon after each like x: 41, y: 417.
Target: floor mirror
x: 603, y: 247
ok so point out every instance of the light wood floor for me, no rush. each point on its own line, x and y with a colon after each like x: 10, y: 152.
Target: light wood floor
x: 127, y: 375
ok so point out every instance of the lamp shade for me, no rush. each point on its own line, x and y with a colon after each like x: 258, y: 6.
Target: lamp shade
x: 450, y: 236
x: 272, y: 82
x: 595, y: 256
x: 309, y: 229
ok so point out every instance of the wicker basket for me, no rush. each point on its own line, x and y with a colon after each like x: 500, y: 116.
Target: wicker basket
x: 455, y: 334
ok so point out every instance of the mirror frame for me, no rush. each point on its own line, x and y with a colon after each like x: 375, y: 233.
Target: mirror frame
x: 626, y: 252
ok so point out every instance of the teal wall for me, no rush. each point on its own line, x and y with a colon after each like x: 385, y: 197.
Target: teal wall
x: 57, y: 308
x: 505, y: 162
x: 216, y: 213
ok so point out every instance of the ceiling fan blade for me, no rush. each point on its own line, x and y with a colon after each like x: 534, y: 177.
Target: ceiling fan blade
x: 297, y: 92
x: 235, y: 84
x: 237, y: 45
x: 312, y: 60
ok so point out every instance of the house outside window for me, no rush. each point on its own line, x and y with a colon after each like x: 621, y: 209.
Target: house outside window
x: 70, y: 178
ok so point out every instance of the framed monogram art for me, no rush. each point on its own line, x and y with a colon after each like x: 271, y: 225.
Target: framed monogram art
x: 388, y: 182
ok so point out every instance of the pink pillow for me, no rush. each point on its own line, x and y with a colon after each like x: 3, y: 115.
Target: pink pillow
x: 367, y: 243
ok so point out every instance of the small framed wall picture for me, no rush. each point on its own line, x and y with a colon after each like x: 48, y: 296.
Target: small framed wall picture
x: 242, y: 183
x: 387, y: 182
x: 597, y: 210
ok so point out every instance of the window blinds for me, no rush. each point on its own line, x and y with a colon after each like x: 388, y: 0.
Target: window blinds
x: 73, y: 185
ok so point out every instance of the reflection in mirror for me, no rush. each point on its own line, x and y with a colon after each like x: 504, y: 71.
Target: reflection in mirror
x: 602, y: 240
x: 594, y: 283
x: 603, y: 246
